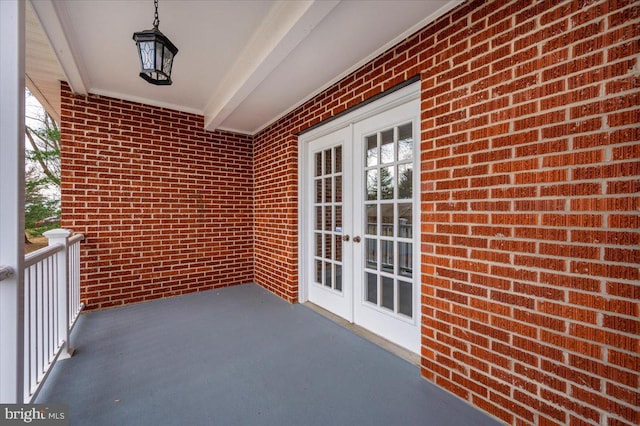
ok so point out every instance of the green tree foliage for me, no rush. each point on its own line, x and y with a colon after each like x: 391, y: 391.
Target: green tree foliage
x: 42, y: 168
x: 44, y: 149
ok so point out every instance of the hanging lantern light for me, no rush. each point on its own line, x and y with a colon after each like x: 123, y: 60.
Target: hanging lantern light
x: 156, y: 53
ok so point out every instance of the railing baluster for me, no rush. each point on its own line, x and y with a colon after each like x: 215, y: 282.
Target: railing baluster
x: 50, y: 281
x: 39, y: 313
x: 47, y: 314
x: 34, y: 327
x: 51, y: 306
x: 28, y: 311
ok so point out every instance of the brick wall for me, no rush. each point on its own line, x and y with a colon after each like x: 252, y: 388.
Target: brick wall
x: 166, y: 206
x: 530, y: 204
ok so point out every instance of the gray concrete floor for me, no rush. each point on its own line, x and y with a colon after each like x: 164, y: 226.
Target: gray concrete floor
x: 239, y: 356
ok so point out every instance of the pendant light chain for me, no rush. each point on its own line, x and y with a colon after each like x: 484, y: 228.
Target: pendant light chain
x: 156, y: 20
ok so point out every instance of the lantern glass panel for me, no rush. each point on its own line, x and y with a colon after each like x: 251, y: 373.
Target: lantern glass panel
x: 159, y: 51
x: 168, y: 61
x: 147, y: 55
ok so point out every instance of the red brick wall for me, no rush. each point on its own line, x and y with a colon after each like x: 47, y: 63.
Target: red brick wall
x: 166, y: 206
x: 530, y: 204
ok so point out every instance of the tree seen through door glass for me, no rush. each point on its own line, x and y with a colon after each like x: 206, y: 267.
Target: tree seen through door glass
x: 372, y: 150
x: 386, y: 147
x: 386, y: 182
x: 405, y: 180
x: 372, y: 184
x: 405, y: 142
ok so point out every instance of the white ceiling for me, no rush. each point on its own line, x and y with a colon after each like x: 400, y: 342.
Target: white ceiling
x: 241, y: 64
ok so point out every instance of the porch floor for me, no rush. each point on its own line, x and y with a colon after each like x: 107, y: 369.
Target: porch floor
x: 239, y: 356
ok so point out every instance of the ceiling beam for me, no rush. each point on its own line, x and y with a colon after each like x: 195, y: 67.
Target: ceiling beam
x: 35, y: 91
x: 284, y: 27
x: 57, y: 26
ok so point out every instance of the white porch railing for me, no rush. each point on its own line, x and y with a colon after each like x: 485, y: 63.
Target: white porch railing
x: 51, y: 306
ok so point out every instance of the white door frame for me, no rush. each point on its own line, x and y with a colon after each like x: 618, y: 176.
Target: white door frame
x: 398, y: 97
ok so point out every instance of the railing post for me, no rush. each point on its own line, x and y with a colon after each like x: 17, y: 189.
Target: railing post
x: 61, y: 236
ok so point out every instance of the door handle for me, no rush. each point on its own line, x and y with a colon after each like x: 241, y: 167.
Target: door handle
x: 345, y: 238
x: 356, y: 239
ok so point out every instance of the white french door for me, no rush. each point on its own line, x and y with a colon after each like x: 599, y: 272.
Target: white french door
x: 359, y: 216
x: 330, y: 270
x: 386, y: 281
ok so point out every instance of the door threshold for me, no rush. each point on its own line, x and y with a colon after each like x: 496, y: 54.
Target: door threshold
x: 397, y: 350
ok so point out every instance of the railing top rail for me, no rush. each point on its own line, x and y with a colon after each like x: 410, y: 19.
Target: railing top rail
x: 5, y: 272
x: 76, y: 238
x: 38, y: 255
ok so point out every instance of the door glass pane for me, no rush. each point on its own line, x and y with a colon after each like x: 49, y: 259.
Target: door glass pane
x: 327, y: 246
x: 338, y: 192
x: 372, y: 150
x: 328, y: 162
x: 405, y: 181
x: 386, y: 220
x: 372, y: 288
x: 372, y: 219
x: 387, y: 293
x: 386, y: 183
x: 338, y: 248
x: 319, y: 271
x: 372, y: 253
x: 405, y: 142
x: 338, y: 227
x: 327, y: 189
x: 338, y: 160
x: 318, y: 191
x: 327, y: 218
x: 405, y: 298
x: 327, y: 274
x: 338, y: 276
x: 405, y: 220
x: 319, y: 218
x: 386, y: 147
x: 372, y: 184
x: 405, y: 259
x: 386, y: 261
x: 318, y: 244
x: 318, y: 164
